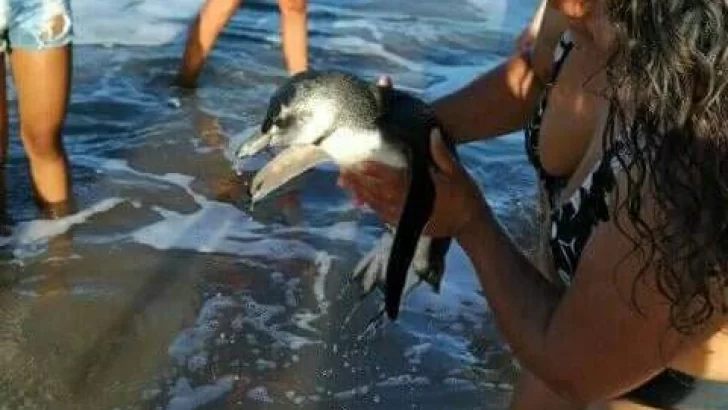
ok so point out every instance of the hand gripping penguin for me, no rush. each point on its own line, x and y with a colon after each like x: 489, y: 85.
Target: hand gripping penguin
x: 333, y: 116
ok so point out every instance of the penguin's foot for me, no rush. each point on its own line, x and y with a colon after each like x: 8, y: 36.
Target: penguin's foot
x: 371, y: 271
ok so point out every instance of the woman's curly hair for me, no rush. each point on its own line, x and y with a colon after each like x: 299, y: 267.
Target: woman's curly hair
x: 668, y: 88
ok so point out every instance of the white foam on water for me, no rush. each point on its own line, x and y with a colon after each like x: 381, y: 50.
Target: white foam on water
x: 341, y: 231
x: 189, y: 345
x: 259, y: 316
x: 28, y: 236
x: 323, y: 267
x: 259, y: 394
x: 216, y: 227
x: 131, y: 22
x: 185, y: 397
x: 303, y: 320
x: 365, y: 24
x: 352, y: 393
x: 461, y: 384
x: 404, y: 380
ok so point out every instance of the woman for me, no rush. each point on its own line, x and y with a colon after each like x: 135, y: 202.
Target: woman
x: 36, y: 36
x: 627, y: 135
x: 213, y: 17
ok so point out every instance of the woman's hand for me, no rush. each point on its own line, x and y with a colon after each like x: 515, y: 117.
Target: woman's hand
x: 458, y: 201
x: 384, y: 189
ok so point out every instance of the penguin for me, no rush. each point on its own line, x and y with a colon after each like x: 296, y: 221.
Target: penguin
x: 334, y: 116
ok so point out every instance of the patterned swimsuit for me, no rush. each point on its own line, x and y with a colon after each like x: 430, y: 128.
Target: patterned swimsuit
x: 571, y: 225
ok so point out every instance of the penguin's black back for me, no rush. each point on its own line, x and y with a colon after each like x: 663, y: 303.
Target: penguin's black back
x: 407, y: 121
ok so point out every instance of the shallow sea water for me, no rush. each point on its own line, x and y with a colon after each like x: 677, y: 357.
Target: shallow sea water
x: 165, y: 291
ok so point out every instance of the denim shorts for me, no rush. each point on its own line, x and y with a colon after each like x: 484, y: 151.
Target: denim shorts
x: 35, y: 24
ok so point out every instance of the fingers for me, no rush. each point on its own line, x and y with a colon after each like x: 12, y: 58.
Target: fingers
x: 384, y: 174
x: 380, y: 187
x: 382, y: 177
x: 388, y: 206
x: 387, y: 203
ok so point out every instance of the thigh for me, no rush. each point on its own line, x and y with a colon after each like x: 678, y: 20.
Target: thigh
x: 39, y: 37
x: 42, y: 79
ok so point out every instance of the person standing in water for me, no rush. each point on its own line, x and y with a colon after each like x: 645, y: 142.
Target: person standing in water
x: 36, y: 38
x: 213, y: 17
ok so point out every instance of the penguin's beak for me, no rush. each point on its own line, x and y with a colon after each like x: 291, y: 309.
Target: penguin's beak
x: 290, y: 163
x: 253, y: 145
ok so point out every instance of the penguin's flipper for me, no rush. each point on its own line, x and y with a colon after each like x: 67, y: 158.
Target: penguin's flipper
x: 417, y: 210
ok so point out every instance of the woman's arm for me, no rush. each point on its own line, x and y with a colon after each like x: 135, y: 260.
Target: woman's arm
x: 526, y: 39
x: 500, y: 101
x: 496, y: 103
x: 588, y: 344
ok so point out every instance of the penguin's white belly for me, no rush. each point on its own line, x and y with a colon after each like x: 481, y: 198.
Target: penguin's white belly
x: 348, y: 147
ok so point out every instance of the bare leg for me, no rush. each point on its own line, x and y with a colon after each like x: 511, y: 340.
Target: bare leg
x: 43, y: 80
x: 3, y: 143
x: 294, y: 26
x: 201, y: 38
x: 3, y: 113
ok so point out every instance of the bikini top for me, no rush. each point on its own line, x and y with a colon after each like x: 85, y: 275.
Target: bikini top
x: 571, y: 222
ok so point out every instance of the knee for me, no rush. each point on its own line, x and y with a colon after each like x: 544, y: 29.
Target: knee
x: 43, y: 143
x: 293, y: 6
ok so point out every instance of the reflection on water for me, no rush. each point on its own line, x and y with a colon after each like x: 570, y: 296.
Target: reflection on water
x: 166, y: 291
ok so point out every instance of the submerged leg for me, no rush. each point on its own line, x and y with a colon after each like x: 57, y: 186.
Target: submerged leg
x: 201, y: 38
x: 42, y: 75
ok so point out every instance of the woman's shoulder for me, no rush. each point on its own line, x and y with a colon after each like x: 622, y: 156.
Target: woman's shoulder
x: 547, y: 41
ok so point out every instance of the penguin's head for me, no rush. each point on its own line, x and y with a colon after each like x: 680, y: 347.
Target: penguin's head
x: 303, y: 112
x: 311, y: 105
